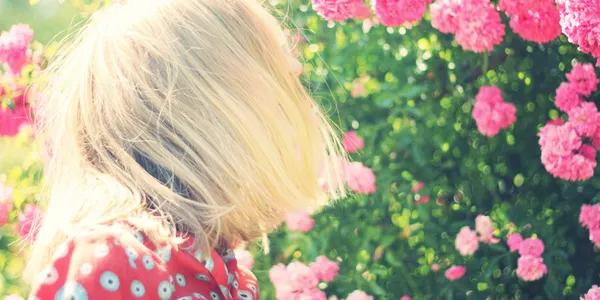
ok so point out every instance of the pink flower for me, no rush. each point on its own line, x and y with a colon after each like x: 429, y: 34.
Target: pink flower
x: 583, y: 78
x: 30, y: 216
x: 485, y: 228
x: 13, y: 47
x: 479, y: 27
x: 556, y: 122
x: 585, y: 119
x: 567, y: 97
x: 360, y: 179
x: 399, y: 12
x: 455, y: 273
x: 324, y: 269
x: 559, y: 140
x: 466, y: 241
x: 406, y: 298
x: 417, y: 186
x: 532, y: 247
x: 352, y: 142
x: 358, y: 89
x: 336, y: 10
x: 362, y: 12
x: 300, y: 221
x: 359, y: 295
x: 595, y: 236
x: 539, y: 24
x: 14, y: 297
x: 579, y: 20
x: 244, y: 258
x: 421, y: 199
x: 13, y: 119
x: 333, y: 298
x: 512, y: 7
x: 5, y: 203
x: 571, y: 167
x: 296, y: 281
x: 491, y: 113
x: 514, y: 242
x: 590, y: 216
x: 278, y: 274
x: 531, y: 268
x: 445, y: 15
x: 592, y: 294
x: 435, y: 267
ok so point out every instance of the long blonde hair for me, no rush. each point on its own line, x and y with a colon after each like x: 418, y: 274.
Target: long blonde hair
x: 179, y: 112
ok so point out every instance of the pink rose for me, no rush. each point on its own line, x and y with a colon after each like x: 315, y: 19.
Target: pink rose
x: 455, y: 273
x: 244, y: 258
x: 485, y: 228
x: 352, y: 142
x: 300, y: 221
x: 514, y: 242
x: 360, y: 179
x: 30, y: 216
x: 531, y: 246
x: 466, y: 241
x: 324, y: 269
x: 531, y: 268
x: 359, y: 295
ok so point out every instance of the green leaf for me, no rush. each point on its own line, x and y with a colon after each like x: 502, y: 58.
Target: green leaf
x: 377, y: 290
x: 492, y: 266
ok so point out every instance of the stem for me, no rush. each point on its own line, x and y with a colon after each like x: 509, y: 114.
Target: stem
x: 484, y: 68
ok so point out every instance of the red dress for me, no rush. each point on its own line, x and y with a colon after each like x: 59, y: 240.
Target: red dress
x: 119, y: 264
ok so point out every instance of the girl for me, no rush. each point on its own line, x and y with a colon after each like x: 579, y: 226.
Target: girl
x: 178, y: 130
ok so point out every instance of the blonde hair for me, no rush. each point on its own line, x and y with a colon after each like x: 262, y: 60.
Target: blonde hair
x: 181, y: 112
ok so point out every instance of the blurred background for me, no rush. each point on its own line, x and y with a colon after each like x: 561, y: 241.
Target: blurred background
x: 407, y: 93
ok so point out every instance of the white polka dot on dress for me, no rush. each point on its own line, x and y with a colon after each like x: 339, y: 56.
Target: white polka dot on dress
x: 86, y: 269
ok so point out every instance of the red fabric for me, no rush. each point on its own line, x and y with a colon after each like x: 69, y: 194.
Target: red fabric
x: 120, y: 264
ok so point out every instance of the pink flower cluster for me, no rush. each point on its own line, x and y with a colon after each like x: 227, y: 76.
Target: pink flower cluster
x: 491, y: 113
x: 579, y: 21
x: 590, y: 219
x: 352, y: 142
x: 592, y: 294
x: 564, y: 153
x: 476, y: 23
x: 467, y: 240
x: 15, y: 116
x: 300, y: 221
x: 537, y: 21
x: 359, y: 178
x: 455, y: 272
x: 340, y: 10
x: 14, y: 45
x: 299, y: 281
x: 399, y: 12
x: 419, y: 199
x: 530, y: 266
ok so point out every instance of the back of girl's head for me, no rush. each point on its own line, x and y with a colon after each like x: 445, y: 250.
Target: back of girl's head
x: 187, y: 110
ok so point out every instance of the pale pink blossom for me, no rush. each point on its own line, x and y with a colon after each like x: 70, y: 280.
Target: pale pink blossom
x: 352, y: 142
x: 359, y: 295
x: 455, y: 272
x: 296, y: 281
x: 595, y: 236
x: 30, y: 217
x: 480, y: 27
x: 445, y: 15
x: 14, y: 297
x: 324, y: 269
x: 360, y: 179
x: 6, y: 202
x: 579, y: 21
x: 333, y: 298
x: 583, y: 78
x: 514, y: 242
x: 278, y: 274
x: 466, y: 241
x: 575, y: 167
x: 399, y: 12
x: 531, y: 268
x: 336, y: 10
x: 590, y: 216
x: 592, y: 294
x: 585, y: 119
x: 362, y: 12
x: 532, y: 247
x: 13, y: 47
x: 485, y: 228
x: 559, y: 140
x: 358, y: 89
x: 491, y: 113
x: 244, y: 258
x: 567, y: 97
x: 300, y: 221
x: 435, y: 267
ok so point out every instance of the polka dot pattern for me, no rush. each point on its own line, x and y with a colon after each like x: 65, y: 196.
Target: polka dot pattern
x: 124, y: 264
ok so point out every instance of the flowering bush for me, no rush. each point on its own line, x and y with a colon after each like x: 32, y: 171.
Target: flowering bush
x: 473, y: 151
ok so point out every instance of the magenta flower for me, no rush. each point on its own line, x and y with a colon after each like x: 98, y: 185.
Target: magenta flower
x: 583, y: 78
x: 352, y: 142
x: 324, y: 269
x: 466, y: 241
x: 455, y: 273
x: 479, y: 27
x: 532, y: 247
x: 445, y: 15
x: 536, y: 21
x: 531, y: 268
x: 514, y: 242
x: 585, y: 119
x: 13, y: 47
x: 300, y: 221
x: 400, y: 12
x: 590, y: 216
x: 336, y: 10
x: 491, y: 113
